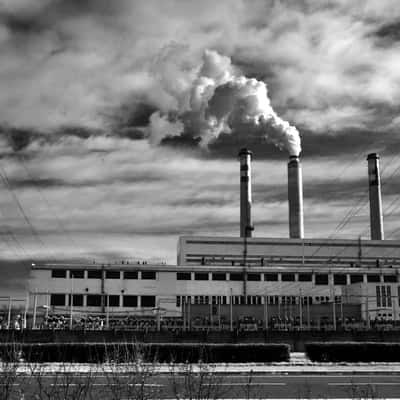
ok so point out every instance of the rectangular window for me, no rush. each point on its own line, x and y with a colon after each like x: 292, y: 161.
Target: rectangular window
x: 389, y: 296
x: 339, y: 279
x: 58, y: 273
x: 113, y: 275
x: 271, y: 277
x: 356, y: 278
x: 236, y: 276
x: 183, y: 276
x: 94, y: 274
x: 390, y: 278
x: 57, y: 300
x: 201, y: 276
x: 151, y: 275
x: 178, y: 301
x: 148, y: 301
x: 129, y: 301
x: 130, y: 275
x: 378, y: 296
x: 219, y: 276
x: 93, y: 300
x: 305, y: 277
x: 288, y: 278
x: 252, y: 277
x: 77, y: 299
x: 113, y: 300
x: 398, y: 294
x: 383, y: 296
x: 373, y: 278
x: 77, y: 273
x: 321, y: 279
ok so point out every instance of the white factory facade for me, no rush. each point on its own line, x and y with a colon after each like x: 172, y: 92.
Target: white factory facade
x: 270, y: 279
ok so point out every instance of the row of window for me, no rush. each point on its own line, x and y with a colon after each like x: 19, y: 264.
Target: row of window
x: 253, y: 300
x: 98, y: 274
x: 320, y: 279
x: 384, y: 296
x: 98, y: 300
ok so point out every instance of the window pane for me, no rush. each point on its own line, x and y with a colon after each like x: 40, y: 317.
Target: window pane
x: 305, y: 277
x: 95, y: 274
x: 271, y: 277
x: 77, y: 273
x: 339, y: 279
x: 218, y: 276
x: 288, y: 277
x: 390, y: 278
x: 93, y: 300
x: 373, y: 278
x: 77, y: 300
x: 201, y: 276
x: 321, y: 279
x: 148, y: 301
x: 183, y: 276
x: 148, y: 275
x: 57, y: 300
x: 236, y: 276
x: 253, y: 277
x: 113, y: 300
x: 112, y: 274
x: 130, y: 275
x: 356, y: 278
x: 58, y: 273
x: 129, y: 301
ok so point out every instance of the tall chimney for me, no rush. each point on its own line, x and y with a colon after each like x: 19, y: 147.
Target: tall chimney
x: 295, y: 196
x: 375, y: 198
x: 245, y: 192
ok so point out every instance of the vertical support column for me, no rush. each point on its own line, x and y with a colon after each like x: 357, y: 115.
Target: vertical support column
x: 375, y: 198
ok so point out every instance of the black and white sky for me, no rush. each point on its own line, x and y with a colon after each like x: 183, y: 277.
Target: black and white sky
x: 120, y: 122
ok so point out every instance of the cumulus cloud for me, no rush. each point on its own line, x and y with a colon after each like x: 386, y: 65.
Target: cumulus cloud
x: 89, y: 88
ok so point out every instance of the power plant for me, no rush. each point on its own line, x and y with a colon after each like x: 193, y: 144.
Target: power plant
x: 279, y: 283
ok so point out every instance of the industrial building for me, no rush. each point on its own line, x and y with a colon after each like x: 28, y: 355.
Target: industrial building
x: 222, y: 282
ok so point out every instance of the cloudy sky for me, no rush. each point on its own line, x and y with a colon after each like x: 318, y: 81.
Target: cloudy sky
x: 120, y: 122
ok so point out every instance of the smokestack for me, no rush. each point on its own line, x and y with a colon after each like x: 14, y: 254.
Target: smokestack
x: 295, y: 196
x: 245, y: 193
x: 375, y: 198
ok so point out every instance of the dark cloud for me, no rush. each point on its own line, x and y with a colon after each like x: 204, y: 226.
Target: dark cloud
x: 22, y: 24
x: 133, y: 114
x: 389, y: 33
x: 131, y: 133
x: 184, y: 141
x: 49, y: 183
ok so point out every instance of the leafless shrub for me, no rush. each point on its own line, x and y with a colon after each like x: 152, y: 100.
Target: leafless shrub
x: 129, y: 375
x: 363, y: 392
x: 65, y: 384
x: 196, y: 381
x: 10, y: 381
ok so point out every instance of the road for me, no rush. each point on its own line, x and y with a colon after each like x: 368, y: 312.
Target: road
x: 121, y: 385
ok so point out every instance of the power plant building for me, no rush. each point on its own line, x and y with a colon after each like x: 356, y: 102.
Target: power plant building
x: 306, y: 282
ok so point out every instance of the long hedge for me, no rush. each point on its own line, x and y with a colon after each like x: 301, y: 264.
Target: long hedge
x: 353, y: 351
x: 148, y: 352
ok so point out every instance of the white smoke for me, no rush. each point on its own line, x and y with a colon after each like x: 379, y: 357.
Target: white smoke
x: 221, y: 101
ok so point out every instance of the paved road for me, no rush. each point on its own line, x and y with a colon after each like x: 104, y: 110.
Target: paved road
x: 120, y: 385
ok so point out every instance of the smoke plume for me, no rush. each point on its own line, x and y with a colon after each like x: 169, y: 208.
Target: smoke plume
x: 221, y: 100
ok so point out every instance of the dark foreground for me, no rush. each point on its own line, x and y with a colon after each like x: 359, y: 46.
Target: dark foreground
x: 207, y: 384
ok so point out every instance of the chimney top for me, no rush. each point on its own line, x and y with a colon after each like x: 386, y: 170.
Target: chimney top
x: 245, y: 152
x: 373, y: 156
